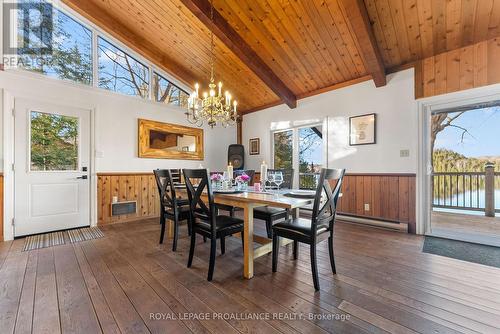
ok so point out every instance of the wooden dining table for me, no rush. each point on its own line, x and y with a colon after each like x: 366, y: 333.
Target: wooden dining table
x: 248, y: 201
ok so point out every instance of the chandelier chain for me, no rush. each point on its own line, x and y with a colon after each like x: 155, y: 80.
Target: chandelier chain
x: 212, y: 44
x: 213, y: 106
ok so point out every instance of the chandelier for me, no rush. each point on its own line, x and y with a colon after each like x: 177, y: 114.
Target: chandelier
x: 212, y: 107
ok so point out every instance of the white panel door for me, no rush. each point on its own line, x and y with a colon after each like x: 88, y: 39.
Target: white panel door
x: 51, y: 167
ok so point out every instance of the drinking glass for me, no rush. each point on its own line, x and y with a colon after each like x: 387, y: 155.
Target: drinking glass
x: 278, y: 179
x: 270, y: 179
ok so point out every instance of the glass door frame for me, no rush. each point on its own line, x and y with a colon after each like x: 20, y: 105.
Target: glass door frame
x: 425, y: 109
x: 295, y: 147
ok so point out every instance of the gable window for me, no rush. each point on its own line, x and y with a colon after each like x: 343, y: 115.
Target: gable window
x: 166, y: 92
x: 71, y: 56
x: 120, y: 72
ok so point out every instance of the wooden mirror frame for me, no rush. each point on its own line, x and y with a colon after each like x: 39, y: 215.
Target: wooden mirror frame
x: 145, y: 151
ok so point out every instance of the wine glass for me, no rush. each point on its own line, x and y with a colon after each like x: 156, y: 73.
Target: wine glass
x: 270, y: 179
x: 278, y: 179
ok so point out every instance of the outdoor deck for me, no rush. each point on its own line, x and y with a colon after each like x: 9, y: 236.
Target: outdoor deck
x: 466, y: 223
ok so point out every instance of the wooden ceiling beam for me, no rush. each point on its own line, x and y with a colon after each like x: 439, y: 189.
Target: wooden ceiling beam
x: 359, y: 22
x: 123, y: 34
x: 221, y: 28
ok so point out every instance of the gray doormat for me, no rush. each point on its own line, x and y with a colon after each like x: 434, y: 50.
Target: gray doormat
x: 465, y: 251
x: 59, y: 238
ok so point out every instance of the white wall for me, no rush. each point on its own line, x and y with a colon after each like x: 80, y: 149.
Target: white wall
x: 116, y: 118
x: 397, y: 126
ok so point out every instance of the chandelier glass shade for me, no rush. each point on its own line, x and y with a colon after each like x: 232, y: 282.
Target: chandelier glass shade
x: 212, y: 107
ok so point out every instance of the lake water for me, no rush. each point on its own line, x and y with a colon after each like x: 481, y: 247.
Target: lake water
x: 464, y: 199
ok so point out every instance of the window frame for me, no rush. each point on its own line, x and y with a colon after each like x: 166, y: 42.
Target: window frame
x: 77, y: 20
x: 96, y: 33
x: 152, y: 93
x: 295, y: 147
x: 29, y: 148
x: 148, y: 69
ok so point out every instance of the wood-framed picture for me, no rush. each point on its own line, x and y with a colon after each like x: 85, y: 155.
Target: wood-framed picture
x: 362, y: 129
x: 254, y: 144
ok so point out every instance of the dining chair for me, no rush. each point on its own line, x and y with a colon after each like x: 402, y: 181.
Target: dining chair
x: 321, y: 223
x: 232, y: 209
x: 270, y: 214
x: 176, y: 175
x: 172, y: 208
x: 206, y: 221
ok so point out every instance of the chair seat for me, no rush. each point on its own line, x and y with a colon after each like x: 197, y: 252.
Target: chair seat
x: 267, y: 211
x: 224, y: 225
x: 183, y: 212
x: 297, y: 228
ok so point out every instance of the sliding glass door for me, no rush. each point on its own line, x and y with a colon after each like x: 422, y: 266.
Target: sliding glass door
x: 300, y: 148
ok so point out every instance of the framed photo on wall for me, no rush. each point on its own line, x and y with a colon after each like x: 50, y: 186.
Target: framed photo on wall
x: 362, y: 129
x: 254, y: 144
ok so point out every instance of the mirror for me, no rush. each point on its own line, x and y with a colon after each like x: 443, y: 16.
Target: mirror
x: 169, y: 141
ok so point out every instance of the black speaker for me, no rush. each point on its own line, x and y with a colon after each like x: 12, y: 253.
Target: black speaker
x: 236, y: 156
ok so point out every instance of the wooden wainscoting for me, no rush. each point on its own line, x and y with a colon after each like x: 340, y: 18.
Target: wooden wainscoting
x: 140, y: 187
x: 465, y: 68
x: 390, y: 197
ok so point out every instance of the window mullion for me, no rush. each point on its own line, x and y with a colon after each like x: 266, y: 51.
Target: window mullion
x: 151, y: 82
x: 295, y: 157
x: 95, y: 59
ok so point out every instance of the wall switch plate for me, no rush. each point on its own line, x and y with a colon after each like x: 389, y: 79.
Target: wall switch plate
x: 404, y: 153
x: 367, y: 207
x: 99, y: 154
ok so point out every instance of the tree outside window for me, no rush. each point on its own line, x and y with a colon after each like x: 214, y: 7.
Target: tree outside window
x: 119, y: 72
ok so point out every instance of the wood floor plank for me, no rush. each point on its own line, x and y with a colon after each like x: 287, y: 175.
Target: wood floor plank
x: 294, y: 304
x: 101, y: 307
x: 335, y: 296
x: 24, y: 321
x: 126, y: 316
x: 75, y: 307
x: 373, y: 318
x: 46, y: 307
x: 4, y: 251
x: 11, y: 282
x: 143, y: 297
x: 384, y: 284
x: 165, y: 284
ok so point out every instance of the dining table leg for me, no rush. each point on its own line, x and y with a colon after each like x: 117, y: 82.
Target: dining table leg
x: 248, y: 242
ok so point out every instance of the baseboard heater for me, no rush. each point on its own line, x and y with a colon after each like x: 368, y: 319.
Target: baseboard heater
x: 123, y: 208
x: 400, y: 227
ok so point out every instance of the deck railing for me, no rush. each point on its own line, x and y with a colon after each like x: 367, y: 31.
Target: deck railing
x: 308, y: 180
x: 467, y: 190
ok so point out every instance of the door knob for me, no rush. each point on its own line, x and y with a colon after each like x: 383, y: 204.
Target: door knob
x: 83, y: 177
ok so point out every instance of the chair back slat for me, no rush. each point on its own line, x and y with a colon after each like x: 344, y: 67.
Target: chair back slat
x: 197, y: 185
x: 176, y: 175
x: 326, y: 198
x: 166, y: 190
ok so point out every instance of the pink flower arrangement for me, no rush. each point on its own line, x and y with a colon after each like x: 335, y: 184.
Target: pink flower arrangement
x: 243, y: 178
x: 216, y: 177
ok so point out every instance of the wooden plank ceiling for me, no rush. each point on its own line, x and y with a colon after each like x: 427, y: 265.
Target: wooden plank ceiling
x: 310, y: 45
